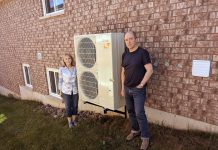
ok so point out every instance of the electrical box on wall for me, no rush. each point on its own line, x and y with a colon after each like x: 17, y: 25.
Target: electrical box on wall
x: 201, y: 68
x: 39, y: 56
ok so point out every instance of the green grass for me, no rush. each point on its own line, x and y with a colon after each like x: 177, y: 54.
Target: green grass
x: 21, y: 128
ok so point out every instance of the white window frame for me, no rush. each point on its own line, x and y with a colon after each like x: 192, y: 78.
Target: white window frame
x: 57, y: 95
x: 56, y: 12
x: 24, y: 74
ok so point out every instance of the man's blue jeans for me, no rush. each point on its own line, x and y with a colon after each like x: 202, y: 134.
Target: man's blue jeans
x: 135, y: 100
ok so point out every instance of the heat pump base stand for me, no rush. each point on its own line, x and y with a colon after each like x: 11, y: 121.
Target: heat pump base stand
x: 106, y: 109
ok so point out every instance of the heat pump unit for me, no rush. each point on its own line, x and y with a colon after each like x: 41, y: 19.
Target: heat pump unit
x: 98, y: 62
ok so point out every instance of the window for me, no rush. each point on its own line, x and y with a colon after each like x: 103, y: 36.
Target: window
x: 52, y: 78
x: 52, y: 6
x: 26, y: 74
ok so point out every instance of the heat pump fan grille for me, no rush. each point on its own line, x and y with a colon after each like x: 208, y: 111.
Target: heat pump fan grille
x: 87, y: 52
x: 89, y: 85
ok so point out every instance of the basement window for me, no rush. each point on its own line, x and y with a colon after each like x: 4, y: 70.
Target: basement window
x: 53, y: 7
x: 52, y: 78
x: 26, y: 74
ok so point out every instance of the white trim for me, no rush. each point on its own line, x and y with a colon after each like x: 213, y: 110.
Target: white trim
x: 56, y: 95
x: 6, y: 92
x: 24, y: 74
x: 178, y: 122
x: 55, y: 13
x: 43, y: 7
x: 60, y: 12
x: 49, y: 84
x: 28, y: 94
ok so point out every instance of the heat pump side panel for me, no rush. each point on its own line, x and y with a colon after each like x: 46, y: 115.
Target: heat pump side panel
x: 117, y: 51
x: 109, y: 67
x: 105, y: 67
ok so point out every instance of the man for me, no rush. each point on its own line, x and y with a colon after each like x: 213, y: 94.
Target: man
x: 136, y: 71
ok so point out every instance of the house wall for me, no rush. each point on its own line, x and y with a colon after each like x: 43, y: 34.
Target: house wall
x: 175, y: 32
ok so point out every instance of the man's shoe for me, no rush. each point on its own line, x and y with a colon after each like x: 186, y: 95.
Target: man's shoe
x: 132, y: 135
x: 145, y: 143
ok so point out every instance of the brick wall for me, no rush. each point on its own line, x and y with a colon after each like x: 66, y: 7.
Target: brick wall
x: 174, y: 31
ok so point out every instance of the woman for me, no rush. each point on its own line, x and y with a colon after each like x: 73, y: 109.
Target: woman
x: 68, y: 88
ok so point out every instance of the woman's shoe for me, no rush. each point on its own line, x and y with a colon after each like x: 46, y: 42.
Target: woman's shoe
x: 74, y: 123
x: 71, y: 125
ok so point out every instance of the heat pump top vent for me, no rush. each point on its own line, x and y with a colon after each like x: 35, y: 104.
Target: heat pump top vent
x: 87, y: 52
x: 89, y: 85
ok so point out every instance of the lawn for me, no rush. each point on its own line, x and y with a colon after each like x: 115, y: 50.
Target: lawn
x: 23, y: 126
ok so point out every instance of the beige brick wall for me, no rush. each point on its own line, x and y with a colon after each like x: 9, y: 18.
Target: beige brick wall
x: 175, y: 32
